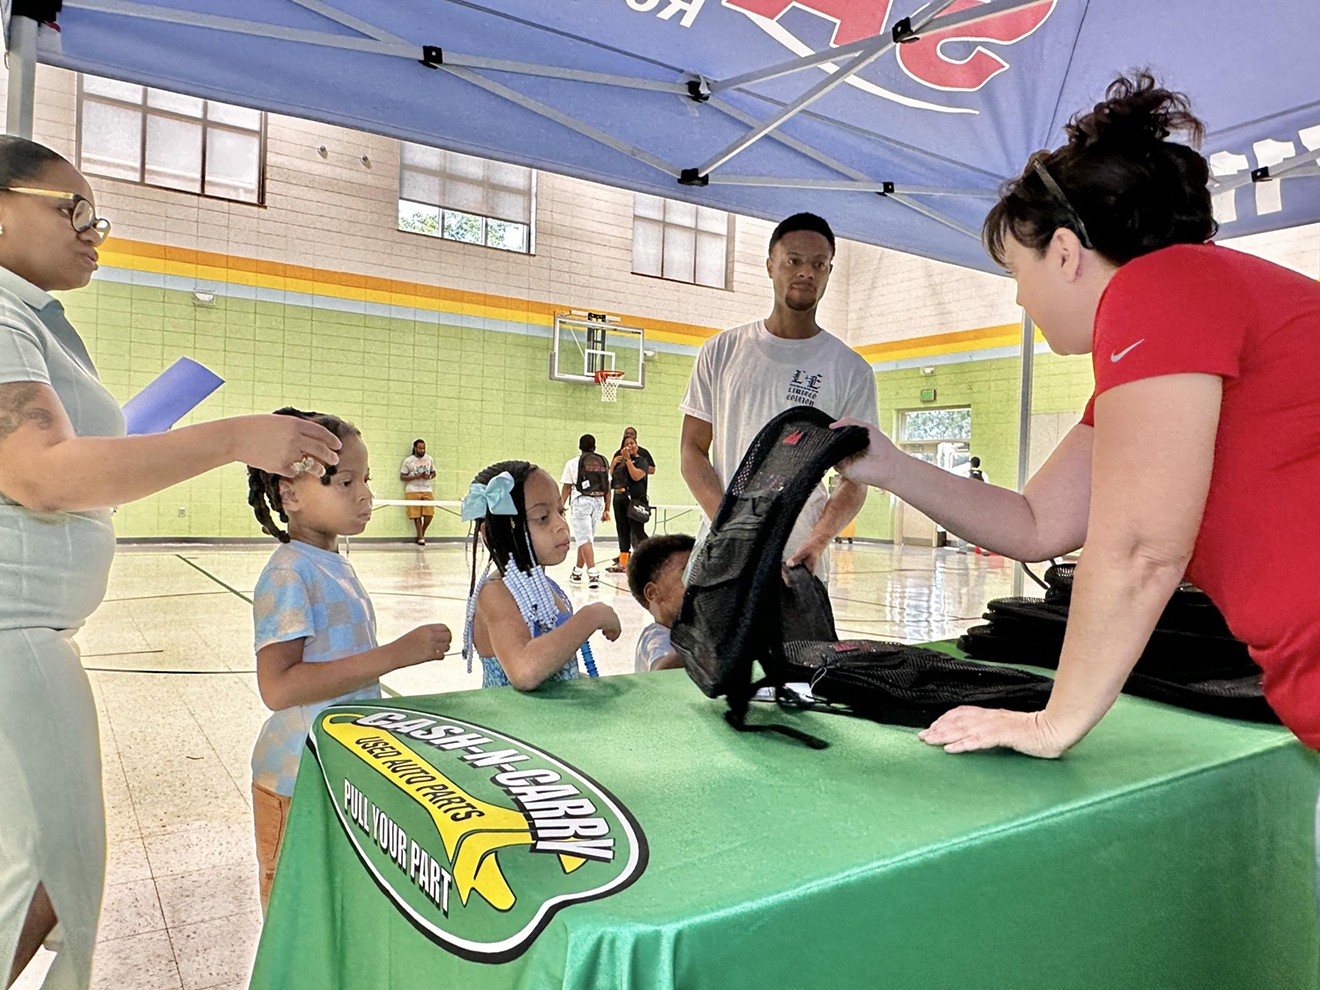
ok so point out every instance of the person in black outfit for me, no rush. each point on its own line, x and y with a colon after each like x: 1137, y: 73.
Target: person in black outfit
x: 629, y: 471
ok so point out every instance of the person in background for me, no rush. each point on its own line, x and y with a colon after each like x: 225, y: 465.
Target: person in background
x: 417, y: 472
x: 628, y: 473
x: 64, y: 463
x: 585, y: 490
x: 655, y: 578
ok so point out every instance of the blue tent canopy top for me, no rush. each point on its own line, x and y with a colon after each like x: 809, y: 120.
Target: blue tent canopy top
x: 896, y: 124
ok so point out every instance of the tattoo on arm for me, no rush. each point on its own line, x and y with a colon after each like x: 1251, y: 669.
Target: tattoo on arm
x: 19, y: 404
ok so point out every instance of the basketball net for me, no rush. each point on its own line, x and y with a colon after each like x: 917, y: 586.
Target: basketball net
x: 609, y: 384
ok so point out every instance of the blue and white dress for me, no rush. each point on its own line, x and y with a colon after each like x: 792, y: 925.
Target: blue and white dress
x: 492, y: 674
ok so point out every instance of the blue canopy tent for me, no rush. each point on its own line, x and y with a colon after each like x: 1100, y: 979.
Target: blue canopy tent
x: 896, y: 123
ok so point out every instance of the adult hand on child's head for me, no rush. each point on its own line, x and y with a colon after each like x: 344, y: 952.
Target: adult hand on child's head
x: 428, y: 642
x: 284, y: 445
x: 877, y: 464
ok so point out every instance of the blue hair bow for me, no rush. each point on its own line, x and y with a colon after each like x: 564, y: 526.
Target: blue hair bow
x: 495, y: 498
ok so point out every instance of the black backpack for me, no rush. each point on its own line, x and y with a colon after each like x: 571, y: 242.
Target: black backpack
x: 1191, y: 660
x: 593, y: 474
x: 738, y: 609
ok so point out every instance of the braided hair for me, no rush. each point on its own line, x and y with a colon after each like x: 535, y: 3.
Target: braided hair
x: 506, y: 537
x: 264, y: 487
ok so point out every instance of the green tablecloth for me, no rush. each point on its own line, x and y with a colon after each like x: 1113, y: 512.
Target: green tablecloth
x: 1169, y: 850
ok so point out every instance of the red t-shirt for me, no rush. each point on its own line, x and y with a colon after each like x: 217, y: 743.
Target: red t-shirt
x: 1206, y: 309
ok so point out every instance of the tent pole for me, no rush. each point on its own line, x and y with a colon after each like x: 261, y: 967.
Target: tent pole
x: 1024, y: 424
x: 22, y: 76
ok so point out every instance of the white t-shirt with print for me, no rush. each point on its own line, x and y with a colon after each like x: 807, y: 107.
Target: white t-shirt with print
x: 420, y: 465
x: 746, y: 376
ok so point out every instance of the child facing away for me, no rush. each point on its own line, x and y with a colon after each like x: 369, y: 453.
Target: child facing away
x: 655, y: 578
x: 315, y: 627
x: 519, y: 622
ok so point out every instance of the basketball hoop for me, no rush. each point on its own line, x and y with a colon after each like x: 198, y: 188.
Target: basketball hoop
x: 608, y: 380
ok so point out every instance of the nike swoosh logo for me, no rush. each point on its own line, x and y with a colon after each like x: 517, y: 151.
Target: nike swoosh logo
x: 1119, y: 355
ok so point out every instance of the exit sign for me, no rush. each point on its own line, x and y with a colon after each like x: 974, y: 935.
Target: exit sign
x: 927, y: 395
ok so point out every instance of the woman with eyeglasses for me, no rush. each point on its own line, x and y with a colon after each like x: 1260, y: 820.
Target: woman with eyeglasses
x: 1199, y: 452
x: 64, y: 462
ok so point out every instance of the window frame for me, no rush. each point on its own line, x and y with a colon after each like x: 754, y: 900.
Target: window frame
x: 442, y: 210
x: 695, y: 229
x: 145, y: 110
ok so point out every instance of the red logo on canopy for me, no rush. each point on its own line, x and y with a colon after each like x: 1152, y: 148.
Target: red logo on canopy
x: 924, y: 60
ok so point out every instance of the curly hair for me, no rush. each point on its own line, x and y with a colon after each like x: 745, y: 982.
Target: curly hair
x: 1132, y: 190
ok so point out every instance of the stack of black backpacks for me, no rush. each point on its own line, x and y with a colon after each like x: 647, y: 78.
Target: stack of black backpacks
x: 1191, y: 660
x: 742, y: 611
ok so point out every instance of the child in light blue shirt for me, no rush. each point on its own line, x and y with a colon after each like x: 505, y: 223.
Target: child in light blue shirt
x: 655, y: 578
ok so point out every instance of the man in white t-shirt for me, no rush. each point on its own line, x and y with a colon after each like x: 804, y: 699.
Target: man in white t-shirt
x: 746, y: 376
x: 416, y: 473
x: 585, y: 487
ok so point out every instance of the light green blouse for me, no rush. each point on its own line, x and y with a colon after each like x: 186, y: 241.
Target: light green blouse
x: 53, y: 565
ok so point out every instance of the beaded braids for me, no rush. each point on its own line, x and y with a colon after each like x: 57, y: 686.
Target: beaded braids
x: 264, y: 487
x: 1117, y: 182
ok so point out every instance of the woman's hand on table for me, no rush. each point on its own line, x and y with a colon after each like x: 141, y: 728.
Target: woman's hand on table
x: 966, y: 729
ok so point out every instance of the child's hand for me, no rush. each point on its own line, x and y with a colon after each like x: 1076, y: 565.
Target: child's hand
x: 605, y: 619
x: 429, y: 642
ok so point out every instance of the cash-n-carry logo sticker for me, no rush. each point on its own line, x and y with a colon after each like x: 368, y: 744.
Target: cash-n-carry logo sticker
x: 476, y: 837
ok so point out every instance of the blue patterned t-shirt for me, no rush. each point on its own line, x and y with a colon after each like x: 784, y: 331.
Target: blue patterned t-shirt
x: 313, y: 595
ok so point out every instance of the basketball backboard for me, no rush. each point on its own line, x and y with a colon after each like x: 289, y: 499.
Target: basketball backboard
x: 585, y: 343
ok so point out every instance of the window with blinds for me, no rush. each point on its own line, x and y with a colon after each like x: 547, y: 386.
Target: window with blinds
x: 157, y: 138
x: 461, y: 198
x: 680, y: 241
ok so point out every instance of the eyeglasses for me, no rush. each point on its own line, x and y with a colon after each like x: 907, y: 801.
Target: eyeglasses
x: 1053, y: 189
x: 81, y: 213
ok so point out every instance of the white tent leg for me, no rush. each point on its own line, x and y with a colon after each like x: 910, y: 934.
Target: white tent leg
x: 1024, y: 424
x: 22, y: 76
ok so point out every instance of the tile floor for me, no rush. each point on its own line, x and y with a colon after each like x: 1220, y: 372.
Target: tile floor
x: 171, y: 664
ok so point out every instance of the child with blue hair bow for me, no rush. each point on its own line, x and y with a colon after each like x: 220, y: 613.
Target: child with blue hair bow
x: 519, y: 622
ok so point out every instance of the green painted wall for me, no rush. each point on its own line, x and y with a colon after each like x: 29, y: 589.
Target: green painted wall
x: 476, y: 397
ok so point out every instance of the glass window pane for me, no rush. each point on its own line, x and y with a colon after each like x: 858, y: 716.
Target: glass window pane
x: 508, y: 205
x: 420, y: 156
x: 98, y: 86
x: 507, y: 236
x: 680, y: 253
x: 111, y: 141
x: 419, y: 218
x: 715, y: 221
x: 648, y: 241
x: 648, y: 206
x: 467, y: 197
x: 422, y: 187
x: 174, y: 153
x: 937, y: 424
x: 465, y: 166
x: 227, y: 113
x: 174, y: 102
x: 711, y: 264
x: 233, y: 165
x: 683, y: 214
x: 509, y: 176
x: 464, y: 227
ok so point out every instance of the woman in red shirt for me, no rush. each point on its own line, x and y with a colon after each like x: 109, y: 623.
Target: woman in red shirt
x: 1199, y: 452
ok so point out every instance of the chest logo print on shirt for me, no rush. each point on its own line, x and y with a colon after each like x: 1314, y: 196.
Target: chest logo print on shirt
x: 804, y: 387
x: 476, y: 837
x: 1120, y: 355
